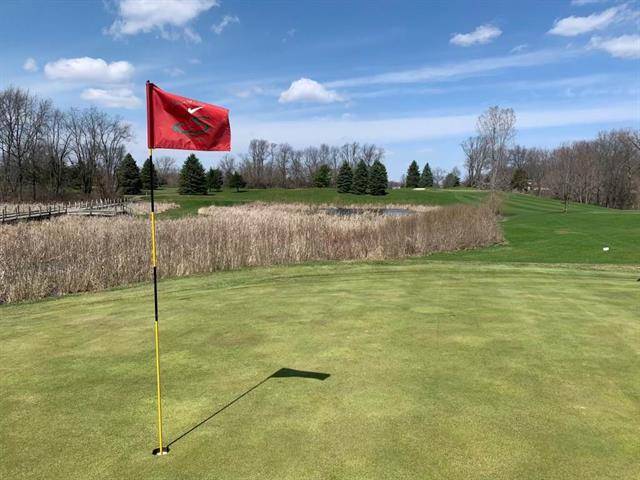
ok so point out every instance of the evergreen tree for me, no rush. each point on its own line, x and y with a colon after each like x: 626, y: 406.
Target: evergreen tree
x: 452, y: 179
x: 129, y: 176
x: 322, y: 178
x: 145, y: 175
x: 519, y: 180
x: 345, y: 178
x: 192, y: 178
x: 214, y: 179
x: 426, y: 179
x: 360, y: 179
x: 378, y: 181
x: 236, y: 181
x: 413, y: 175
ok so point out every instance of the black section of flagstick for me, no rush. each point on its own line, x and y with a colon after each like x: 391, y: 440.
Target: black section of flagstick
x: 155, y: 273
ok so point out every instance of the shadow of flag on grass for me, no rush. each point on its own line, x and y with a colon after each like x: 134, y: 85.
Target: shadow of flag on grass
x: 290, y: 372
x: 282, y: 373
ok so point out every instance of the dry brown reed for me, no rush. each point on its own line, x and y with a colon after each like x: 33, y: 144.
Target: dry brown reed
x: 70, y: 254
x: 143, y: 208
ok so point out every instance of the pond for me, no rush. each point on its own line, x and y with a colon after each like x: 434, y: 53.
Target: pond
x: 389, y: 212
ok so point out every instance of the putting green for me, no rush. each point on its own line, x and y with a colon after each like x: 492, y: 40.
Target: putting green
x: 437, y: 370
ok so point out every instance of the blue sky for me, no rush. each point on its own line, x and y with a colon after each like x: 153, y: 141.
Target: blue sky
x: 409, y: 76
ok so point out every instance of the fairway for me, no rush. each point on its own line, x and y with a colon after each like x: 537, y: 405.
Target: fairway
x: 451, y: 370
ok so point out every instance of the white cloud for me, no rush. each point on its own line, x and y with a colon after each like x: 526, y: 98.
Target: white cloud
x: 464, y: 69
x: 226, y: 21
x: 290, y: 34
x: 174, y: 71
x: 250, y: 92
x: 189, y: 35
x: 307, y: 90
x: 88, y: 69
x: 624, y: 46
x: 407, y: 129
x: 572, y: 26
x: 116, y: 98
x: 481, y: 35
x: 144, y: 16
x: 581, y: 3
x: 519, y: 48
x: 30, y: 65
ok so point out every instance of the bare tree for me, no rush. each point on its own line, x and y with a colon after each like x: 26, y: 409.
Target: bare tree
x: 97, y: 147
x: 58, y: 148
x: 167, y: 170
x: 369, y: 153
x: 112, y: 136
x: 23, y: 120
x: 255, y: 161
x: 476, y: 160
x: 497, y: 127
x: 227, y: 165
x: 350, y: 153
x: 85, y: 147
x: 439, y: 175
x: 311, y: 162
x: 535, y: 167
x: 297, y: 175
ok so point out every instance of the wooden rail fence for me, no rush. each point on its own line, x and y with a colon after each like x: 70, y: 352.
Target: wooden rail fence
x: 93, y: 208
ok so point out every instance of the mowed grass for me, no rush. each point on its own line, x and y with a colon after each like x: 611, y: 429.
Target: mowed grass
x: 536, y: 230
x: 438, y: 370
x: 189, y: 204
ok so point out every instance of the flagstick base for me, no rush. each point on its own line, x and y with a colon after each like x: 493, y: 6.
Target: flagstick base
x: 157, y: 452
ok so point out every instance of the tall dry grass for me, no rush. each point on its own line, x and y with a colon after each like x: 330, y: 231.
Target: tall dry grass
x: 70, y: 254
x: 143, y: 208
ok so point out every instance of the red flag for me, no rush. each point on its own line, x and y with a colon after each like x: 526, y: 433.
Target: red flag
x: 185, y: 124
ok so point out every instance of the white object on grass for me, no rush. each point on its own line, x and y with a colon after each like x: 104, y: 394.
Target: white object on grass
x: 605, y: 249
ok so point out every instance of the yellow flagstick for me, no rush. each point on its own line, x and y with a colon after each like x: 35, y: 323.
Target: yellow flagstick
x: 160, y: 450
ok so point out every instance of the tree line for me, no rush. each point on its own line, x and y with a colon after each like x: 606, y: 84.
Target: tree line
x: 268, y: 164
x: 604, y: 171
x: 45, y: 150
x: 192, y: 179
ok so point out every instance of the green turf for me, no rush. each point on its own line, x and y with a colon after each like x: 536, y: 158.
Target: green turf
x: 439, y: 370
x: 537, y: 230
x: 189, y: 204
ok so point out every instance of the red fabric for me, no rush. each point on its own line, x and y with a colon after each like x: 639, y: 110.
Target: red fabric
x: 185, y: 124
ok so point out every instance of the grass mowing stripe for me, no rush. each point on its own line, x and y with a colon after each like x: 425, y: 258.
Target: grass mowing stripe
x: 439, y: 369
